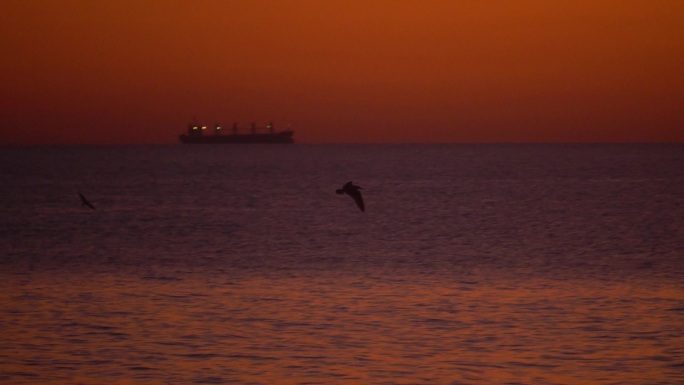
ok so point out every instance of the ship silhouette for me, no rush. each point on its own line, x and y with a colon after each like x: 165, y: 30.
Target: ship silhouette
x: 197, y: 134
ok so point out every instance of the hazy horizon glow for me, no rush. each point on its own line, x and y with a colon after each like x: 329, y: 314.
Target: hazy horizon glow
x: 344, y: 71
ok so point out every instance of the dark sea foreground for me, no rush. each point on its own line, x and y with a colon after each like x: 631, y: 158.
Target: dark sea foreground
x: 473, y: 264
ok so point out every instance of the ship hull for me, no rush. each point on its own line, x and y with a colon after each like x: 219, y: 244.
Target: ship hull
x: 280, y: 137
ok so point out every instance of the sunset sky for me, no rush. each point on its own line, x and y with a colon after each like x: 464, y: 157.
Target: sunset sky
x: 352, y: 71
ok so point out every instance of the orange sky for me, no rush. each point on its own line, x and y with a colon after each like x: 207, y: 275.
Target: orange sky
x: 352, y: 71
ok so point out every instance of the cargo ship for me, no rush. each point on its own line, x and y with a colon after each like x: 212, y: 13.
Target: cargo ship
x: 198, y: 134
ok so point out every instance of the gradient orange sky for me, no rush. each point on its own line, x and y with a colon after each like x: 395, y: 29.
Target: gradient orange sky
x: 352, y: 71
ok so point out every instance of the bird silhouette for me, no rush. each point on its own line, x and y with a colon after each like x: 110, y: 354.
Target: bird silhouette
x: 85, y: 202
x: 353, y: 191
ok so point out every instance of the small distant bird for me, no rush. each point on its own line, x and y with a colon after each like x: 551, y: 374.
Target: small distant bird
x: 353, y: 191
x: 85, y: 201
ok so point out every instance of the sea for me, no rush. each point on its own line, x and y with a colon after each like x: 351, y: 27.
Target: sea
x: 239, y: 264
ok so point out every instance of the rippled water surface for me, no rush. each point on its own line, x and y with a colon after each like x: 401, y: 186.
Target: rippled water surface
x: 473, y: 264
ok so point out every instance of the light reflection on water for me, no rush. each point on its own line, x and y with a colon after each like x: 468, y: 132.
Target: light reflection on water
x: 472, y: 265
x: 333, y: 328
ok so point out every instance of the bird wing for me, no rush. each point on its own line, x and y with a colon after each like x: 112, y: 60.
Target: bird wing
x: 85, y: 201
x: 356, y: 194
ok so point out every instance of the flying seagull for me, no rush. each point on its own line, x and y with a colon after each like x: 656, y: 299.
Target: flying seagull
x: 353, y: 191
x: 85, y: 201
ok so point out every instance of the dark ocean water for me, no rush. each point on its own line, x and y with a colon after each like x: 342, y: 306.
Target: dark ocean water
x: 473, y: 264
